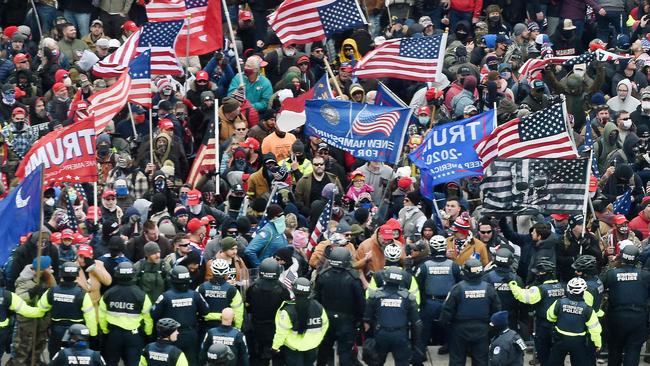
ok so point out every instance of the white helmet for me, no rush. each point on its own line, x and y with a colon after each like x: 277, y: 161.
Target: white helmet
x: 576, y: 286
x: 438, y: 243
x: 220, y: 267
x: 393, y: 252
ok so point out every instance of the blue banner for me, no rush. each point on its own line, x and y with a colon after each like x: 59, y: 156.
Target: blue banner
x: 22, y: 209
x: 368, y: 132
x: 447, y: 151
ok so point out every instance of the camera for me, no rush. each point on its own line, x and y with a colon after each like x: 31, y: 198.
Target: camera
x: 416, y: 245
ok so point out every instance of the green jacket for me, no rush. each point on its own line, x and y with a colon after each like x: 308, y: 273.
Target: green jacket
x: 152, y: 278
x: 258, y: 93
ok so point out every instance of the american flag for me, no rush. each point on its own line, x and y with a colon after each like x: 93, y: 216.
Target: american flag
x: 589, y: 141
x: 418, y: 59
x: 140, y: 72
x: 165, y: 10
x: 159, y: 38
x: 205, y: 159
x: 205, y: 31
x: 585, y: 58
x: 536, y: 64
x: 528, y: 186
x: 602, y: 55
x: 321, y: 226
x: 72, y: 110
x: 623, y: 204
x: 541, y: 134
x: 305, y: 21
x: 367, y: 123
x: 105, y: 104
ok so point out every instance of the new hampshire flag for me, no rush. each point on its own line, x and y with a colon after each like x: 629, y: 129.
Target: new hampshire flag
x: 22, y: 212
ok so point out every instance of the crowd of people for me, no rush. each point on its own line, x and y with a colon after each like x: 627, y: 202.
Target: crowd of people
x: 295, y: 252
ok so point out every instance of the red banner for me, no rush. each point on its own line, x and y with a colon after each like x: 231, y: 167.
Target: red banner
x: 68, y: 154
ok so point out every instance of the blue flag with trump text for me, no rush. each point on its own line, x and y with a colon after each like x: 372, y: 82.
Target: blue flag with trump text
x: 21, y: 210
x: 447, y: 151
x: 368, y: 132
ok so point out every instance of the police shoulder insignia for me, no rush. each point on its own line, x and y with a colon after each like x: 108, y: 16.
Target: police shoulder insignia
x: 496, y: 350
x: 262, y: 234
x: 520, y: 342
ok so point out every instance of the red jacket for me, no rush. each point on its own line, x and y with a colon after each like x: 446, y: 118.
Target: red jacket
x: 468, y: 6
x: 640, y: 223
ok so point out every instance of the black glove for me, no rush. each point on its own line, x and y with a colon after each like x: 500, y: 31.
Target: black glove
x: 36, y: 291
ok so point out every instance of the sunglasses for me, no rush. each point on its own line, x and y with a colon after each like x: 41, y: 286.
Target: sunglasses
x: 184, y: 245
x: 486, y: 232
x: 319, y: 164
x: 241, y: 129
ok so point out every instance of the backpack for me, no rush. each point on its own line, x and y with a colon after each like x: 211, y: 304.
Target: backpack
x: 162, y: 269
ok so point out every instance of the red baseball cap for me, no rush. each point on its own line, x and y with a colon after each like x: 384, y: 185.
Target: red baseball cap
x: 10, y: 30
x: 94, y: 212
x: 193, y: 197
x: 194, y: 225
x: 20, y: 58
x: 386, y: 232
x: 58, y: 87
x: 109, y: 193
x: 55, y: 238
x: 202, y: 75
x: 620, y: 219
x: 80, y: 238
x: 245, y: 15
x: 85, y: 250
x: 250, y: 143
x: 424, y: 110
x: 17, y: 111
x: 165, y: 124
x: 130, y: 26
x: 593, y: 184
x: 560, y: 217
x: 67, y: 234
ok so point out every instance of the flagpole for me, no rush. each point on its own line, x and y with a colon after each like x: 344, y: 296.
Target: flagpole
x: 217, y: 180
x: 39, y: 253
x: 232, y: 40
x: 331, y: 74
x: 135, y: 133
x: 95, y: 202
x: 187, y: 46
x: 586, y: 199
x: 151, y: 135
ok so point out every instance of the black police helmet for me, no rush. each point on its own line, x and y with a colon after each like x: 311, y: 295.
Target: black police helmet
x: 76, y: 332
x: 302, y: 287
x: 472, y: 268
x: 585, y: 264
x: 393, y: 275
x: 180, y: 274
x: 124, y: 272
x: 544, y: 265
x: 166, y: 326
x: 219, y: 354
x: 503, y: 257
x: 270, y: 269
x: 69, y: 271
x: 340, y: 257
x: 629, y: 254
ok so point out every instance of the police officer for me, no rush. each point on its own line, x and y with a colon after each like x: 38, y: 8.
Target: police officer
x: 391, y: 311
x: 499, y: 277
x: 629, y: 289
x: 220, y: 355
x: 506, y: 347
x: 186, y: 307
x: 300, y: 326
x: 340, y: 291
x: 467, y: 311
x: 68, y: 304
x: 263, y: 299
x: 226, y: 334
x: 435, y: 278
x: 573, y: 318
x: 585, y: 266
x: 77, y: 352
x: 546, y: 291
x: 219, y: 293
x: 163, y: 352
x: 10, y: 302
x: 123, y: 310
x: 393, y: 255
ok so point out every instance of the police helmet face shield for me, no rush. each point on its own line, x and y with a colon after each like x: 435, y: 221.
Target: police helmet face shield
x: 503, y: 257
x: 393, y: 275
x: 629, y: 254
x: 340, y: 257
x: 76, y: 332
x: 180, y: 274
x: 270, y: 269
x: 124, y: 271
x: 69, y: 270
x: 302, y: 287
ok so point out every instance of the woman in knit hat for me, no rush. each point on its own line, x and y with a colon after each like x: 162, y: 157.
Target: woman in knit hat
x: 229, y: 113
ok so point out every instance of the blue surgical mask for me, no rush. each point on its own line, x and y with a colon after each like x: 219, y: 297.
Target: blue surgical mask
x: 424, y: 120
x: 122, y: 191
x: 183, y: 198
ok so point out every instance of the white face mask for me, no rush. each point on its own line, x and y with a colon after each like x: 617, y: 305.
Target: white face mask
x: 67, y: 81
x: 627, y: 123
x: 645, y: 104
x: 196, y: 209
x: 580, y: 73
x: 49, y: 202
x: 289, y: 52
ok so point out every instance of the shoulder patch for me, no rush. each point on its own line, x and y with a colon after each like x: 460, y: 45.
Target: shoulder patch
x: 496, y: 350
x: 262, y: 234
x: 520, y: 342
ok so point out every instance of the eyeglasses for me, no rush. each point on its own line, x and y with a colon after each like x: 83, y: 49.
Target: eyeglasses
x: 303, y: 64
x: 319, y: 164
x: 486, y: 232
x: 241, y: 129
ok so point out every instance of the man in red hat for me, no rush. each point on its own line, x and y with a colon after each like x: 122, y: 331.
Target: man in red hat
x: 18, y: 138
x: 92, y: 274
x: 621, y: 231
x: 560, y: 222
x: 67, y: 251
x: 462, y: 246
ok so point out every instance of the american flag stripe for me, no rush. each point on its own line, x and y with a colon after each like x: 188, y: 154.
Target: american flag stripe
x: 140, y: 92
x: 534, y: 64
x: 165, y: 10
x: 539, y: 135
x: 203, y: 162
x: 106, y: 103
x: 385, y: 123
x: 115, y: 63
x: 321, y: 225
x: 418, y: 59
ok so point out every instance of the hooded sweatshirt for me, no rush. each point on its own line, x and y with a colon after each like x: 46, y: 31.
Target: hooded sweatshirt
x: 603, y: 146
x: 628, y: 104
x: 357, y: 55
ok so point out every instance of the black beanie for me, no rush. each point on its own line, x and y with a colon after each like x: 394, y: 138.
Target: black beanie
x: 414, y: 197
x: 361, y: 215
